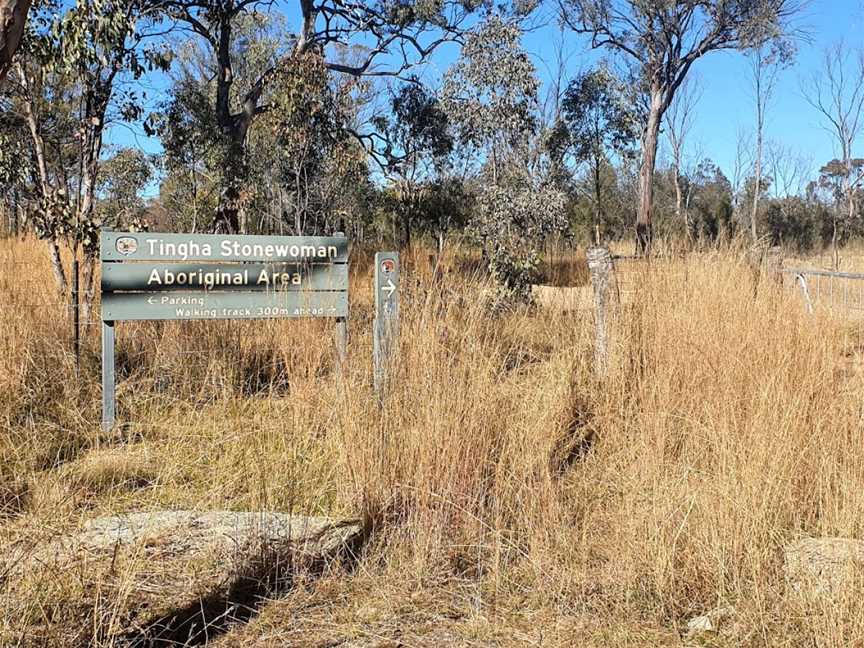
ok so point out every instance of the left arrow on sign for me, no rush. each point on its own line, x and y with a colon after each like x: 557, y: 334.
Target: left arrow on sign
x: 152, y: 300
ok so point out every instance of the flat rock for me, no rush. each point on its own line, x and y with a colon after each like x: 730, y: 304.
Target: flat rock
x: 822, y: 566
x: 221, y: 531
x: 168, y: 574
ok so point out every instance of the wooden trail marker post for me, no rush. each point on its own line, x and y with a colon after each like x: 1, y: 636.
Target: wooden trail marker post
x: 386, y: 325
x: 151, y: 276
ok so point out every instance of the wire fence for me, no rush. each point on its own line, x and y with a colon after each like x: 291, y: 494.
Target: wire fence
x: 841, y: 293
x: 629, y: 278
x: 630, y: 272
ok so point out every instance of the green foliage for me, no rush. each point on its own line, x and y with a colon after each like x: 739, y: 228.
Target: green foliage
x: 598, y: 116
x: 416, y: 159
x: 490, y: 93
x: 15, y: 163
x: 420, y: 125
x: 446, y: 205
x: 320, y: 166
x: 708, y: 197
x: 598, y: 124
x: 661, y: 41
x: 298, y: 167
x: 99, y: 37
x: 122, y: 179
x: 490, y: 97
x: 653, y: 31
x: 614, y: 200
x: 511, y: 220
x: 836, y: 175
x: 712, y: 203
x: 194, y: 152
x: 798, y: 223
x: 77, y: 66
x: 187, y: 126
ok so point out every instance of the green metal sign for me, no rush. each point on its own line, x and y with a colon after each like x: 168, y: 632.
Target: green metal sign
x: 296, y: 277
x: 153, y: 276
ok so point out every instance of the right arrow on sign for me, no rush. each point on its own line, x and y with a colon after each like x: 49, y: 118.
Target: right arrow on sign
x: 389, y: 288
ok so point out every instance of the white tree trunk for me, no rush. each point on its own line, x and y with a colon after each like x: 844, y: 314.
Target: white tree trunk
x: 644, y: 232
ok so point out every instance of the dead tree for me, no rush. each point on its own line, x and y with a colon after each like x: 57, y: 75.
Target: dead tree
x: 679, y: 123
x: 837, y: 93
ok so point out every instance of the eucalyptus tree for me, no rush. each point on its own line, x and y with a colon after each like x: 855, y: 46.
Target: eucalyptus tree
x: 302, y: 170
x: 123, y: 177
x: 189, y: 185
x: 766, y: 60
x: 599, y: 123
x: 67, y: 88
x: 418, y: 142
x: 712, y: 202
x: 840, y: 178
x: 198, y: 161
x: 385, y: 38
x: 322, y: 171
x: 662, y: 39
x: 15, y: 169
x: 490, y: 95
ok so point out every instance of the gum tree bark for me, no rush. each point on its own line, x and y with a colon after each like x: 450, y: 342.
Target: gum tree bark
x: 13, y: 18
x: 644, y: 230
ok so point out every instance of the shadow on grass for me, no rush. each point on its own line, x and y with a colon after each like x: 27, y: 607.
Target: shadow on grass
x: 270, y: 575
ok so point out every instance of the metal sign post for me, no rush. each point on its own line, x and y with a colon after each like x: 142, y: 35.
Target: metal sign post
x: 152, y: 276
x: 386, y: 324
x: 108, y: 408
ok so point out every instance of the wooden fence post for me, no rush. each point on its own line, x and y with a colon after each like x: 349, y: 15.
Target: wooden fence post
x: 755, y: 257
x: 341, y: 340
x: 602, y: 280
x: 765, y: 262
x: 774, y: 263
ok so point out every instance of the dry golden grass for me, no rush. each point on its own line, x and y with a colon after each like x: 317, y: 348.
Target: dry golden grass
x: 515, y: 500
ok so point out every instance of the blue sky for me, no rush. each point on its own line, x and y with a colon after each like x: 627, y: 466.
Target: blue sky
x: 726, y: 106
x: 727, y: 103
